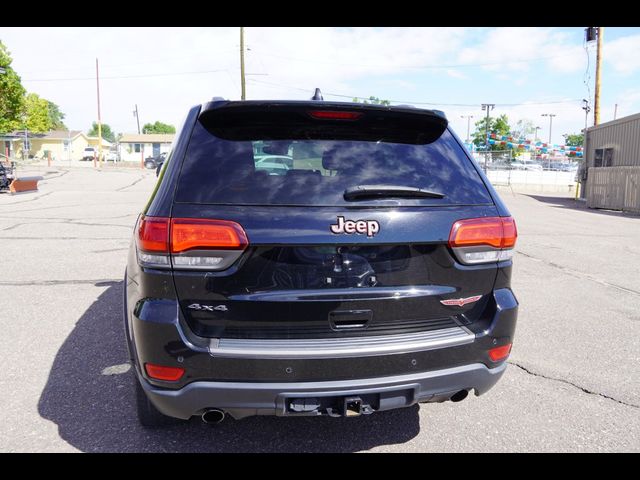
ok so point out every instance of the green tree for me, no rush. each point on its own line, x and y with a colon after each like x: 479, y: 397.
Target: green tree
x: 37, y: 113
x: 372, y: 100
x: 574, y: 140
x: 499, y: 126
x: 522, y: 128
x: 107, y: 133
x: 158, y: 127
x: 56, y: 117
x: 11, y: 94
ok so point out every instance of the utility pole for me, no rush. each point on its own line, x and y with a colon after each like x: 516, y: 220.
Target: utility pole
x: 550, y: 115
x: 99, y: 119
x: 468, y: 117
x: 488, y: 107
x: 135, y: 114
x: 615, y: 112
x: 596, y: 103
x: 242, y: 63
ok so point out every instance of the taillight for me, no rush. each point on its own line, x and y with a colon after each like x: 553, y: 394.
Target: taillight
x: 203, y: 244
x: 482, y: 240
x: 161, y: 372
x: 153, y: 241
x: 500, y: 353
x: 334, y: 115
x: 190, y: 233
x: 189, y: 243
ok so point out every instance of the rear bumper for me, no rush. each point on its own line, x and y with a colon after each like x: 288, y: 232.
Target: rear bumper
x: 242, y: 399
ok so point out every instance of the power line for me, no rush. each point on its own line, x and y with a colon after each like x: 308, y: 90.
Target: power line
x: 124, y: 76
x: 418, y: 103
x: 416, y: 67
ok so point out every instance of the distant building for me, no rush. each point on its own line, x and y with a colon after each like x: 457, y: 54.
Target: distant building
x: 611, y: 177
x: 137, y: 146
x: 61, y: 144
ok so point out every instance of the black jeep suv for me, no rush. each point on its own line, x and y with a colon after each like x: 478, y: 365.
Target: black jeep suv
x: 372, y: 273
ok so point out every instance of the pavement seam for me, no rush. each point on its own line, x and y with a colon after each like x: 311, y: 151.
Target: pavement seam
x: 576, y: 274
x: 561, y: 380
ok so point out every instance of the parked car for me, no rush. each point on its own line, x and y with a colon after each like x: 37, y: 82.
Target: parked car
x: 155, y: 162
x: 520, y: 165
x: 280, y: 159
x: 380, y: 280
x: 89, y: 153
x: 274, y: 166
x: 111, y: 156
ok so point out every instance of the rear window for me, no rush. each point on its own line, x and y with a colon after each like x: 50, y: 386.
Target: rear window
x: 308, y: 171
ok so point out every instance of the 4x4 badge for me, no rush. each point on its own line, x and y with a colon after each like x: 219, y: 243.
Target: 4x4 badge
x: 208, y: 308
x: 370, y: 227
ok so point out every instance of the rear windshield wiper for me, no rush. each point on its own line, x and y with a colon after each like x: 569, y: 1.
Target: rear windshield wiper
x: 384, y: 191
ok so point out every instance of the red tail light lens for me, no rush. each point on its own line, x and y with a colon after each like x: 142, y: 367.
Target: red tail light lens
x: 153, y: 234
x: 510, y: 232
x: 191, y: 233
x: 497, y: 232
x: 334, y: 115
x: 500, y: 353
x: 160, y: 372
x: 483, y: 240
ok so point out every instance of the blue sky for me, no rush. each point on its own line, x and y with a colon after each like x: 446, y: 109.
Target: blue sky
x: 541, y: 69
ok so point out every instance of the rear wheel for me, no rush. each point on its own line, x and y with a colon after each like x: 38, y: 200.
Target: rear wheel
x: 148, y: 415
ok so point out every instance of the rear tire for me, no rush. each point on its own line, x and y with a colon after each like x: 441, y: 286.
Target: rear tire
x: 148, y: 415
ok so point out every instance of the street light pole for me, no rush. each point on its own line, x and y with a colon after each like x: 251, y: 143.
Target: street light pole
x: 468, y: 117
x: 488, y: 107
x: 243, y: 93
x: 99, y: 119
x: 550, y: 115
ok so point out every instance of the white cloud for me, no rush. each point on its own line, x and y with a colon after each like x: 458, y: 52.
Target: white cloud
x: 622, y: 53
x: 349, y: 61
x: 525, y: 48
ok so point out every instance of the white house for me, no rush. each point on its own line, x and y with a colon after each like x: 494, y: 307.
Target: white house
x: 138, y: 146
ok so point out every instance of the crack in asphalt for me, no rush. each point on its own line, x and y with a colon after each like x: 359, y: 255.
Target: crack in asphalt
x: 47, y: 208
x: 577, y: 274
x: 70, y: 219
x: 110, y: 250
x: 583, y: 389
x: 64, y: 238
x: 131, y: 184
x: 31, y: 199
x: 68, y: 222
x: 29, y: 283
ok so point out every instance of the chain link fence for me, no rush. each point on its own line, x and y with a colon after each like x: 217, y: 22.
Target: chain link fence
x: 548, y: 174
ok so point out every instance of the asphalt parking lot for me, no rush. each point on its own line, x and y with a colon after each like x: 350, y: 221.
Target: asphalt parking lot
x: 573, y: 383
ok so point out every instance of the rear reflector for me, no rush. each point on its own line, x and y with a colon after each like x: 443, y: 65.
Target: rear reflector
x: 334, y: 115
x: 500, y: 353
x: 160, y: 372
x: 202, y: 234
x: 153, y: 234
